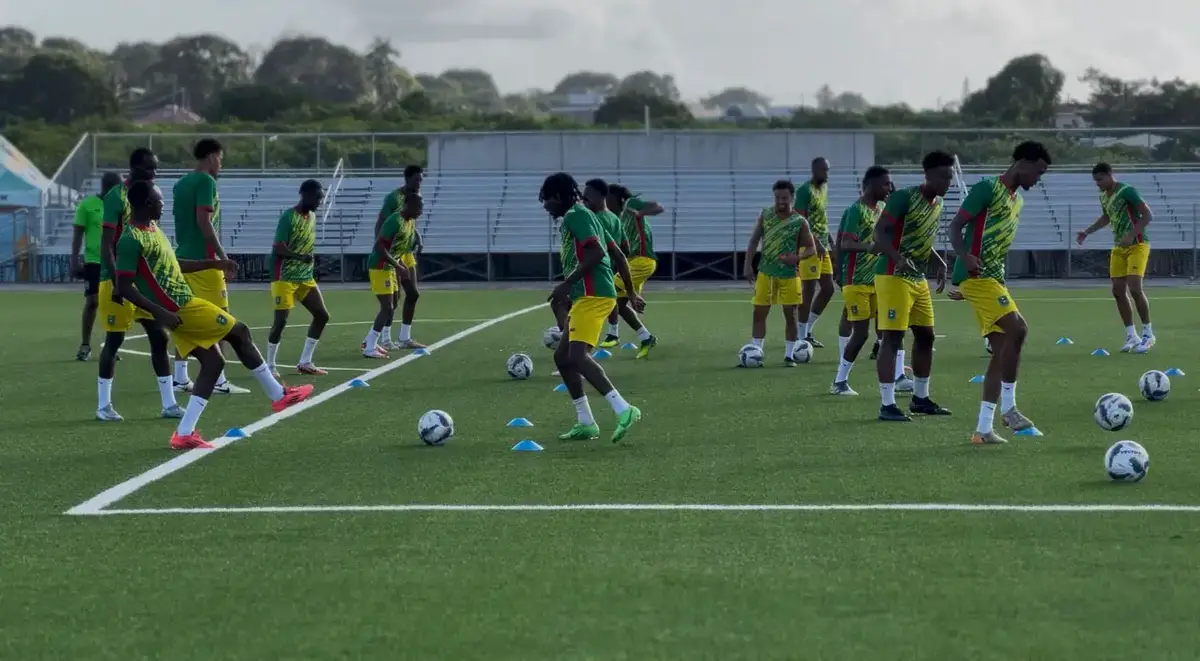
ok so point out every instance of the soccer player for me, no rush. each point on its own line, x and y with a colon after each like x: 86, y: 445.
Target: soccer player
x: 857, y: 256
x: 385, y: 265
x: 292, y: 277
x: 197, y: 211
x: 89, y: 226
x: 786, y: 242
x: 593, y: 295
x: 904, y: 236
x: 152, y: 277
x: 392, y: 204
x: 811, y: 199
x: 638, y: 244
x: 1128, y: 214
x: 981, y: 234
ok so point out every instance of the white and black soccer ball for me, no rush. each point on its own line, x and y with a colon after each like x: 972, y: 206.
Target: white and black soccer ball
x: 1113, y: 411
x: 435, y: 427
x: 520, y: 366
x: 1126, y: 461
x: 1154, y: 386
x: 551, y: 337
x: 750, y: 356
x: 803, y: 352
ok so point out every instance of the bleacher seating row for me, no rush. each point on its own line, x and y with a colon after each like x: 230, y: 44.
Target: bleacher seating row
x: 707, y: 211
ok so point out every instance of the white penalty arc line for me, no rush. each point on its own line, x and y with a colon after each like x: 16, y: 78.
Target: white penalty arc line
x: 96, y: 504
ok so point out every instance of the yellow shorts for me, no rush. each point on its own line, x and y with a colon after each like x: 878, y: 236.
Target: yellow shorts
x: 1129, y: 260
x: 409, y: 260
x: 116, y: 318
x: 816, y: 266
x: 209, y: 285
x: 902, y: 303
x: 640, y: 269
x: 859, y: 302
x: 383, y: 282
x: 202, y: 325
x: 990, y: 300
x: 587, y: 318
x: 776, y: 291
x: 287, y: 294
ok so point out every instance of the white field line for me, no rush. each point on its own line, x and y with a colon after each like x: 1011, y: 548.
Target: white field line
x: 1016, y: 296
x: 635, y: 507
x: 97, y: 503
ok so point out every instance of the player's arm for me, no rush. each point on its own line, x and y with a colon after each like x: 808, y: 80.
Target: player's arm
x: 113, y: 208
x: 281, y: 247
x: 1100, y: 223
x: 886, y: 228
x: 383, y: 243
x: 975, y: 204
x: 206, y: 202
x: 849, y: 239
x: 752, y: 248
x: 77, y: 237
x: 644, y: 207
x: 806, y: 243
x: 128, y: 256
x: 194, y: 265
x: 418, y: 242
x: 391, y: 205
x: 1141, y: 210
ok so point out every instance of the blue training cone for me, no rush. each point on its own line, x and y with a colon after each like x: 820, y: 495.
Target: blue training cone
x: 520, y: 422
x: 359, y: 383
x: 1099, y: 352
x: 527, y: 446
x: 421, y: 352
x: 236, y: 432
x: 1174, y: 371
x: 601, y: 354
x: 978, y: 378
x: 1032, y: 431
x: 562, y: 387
x: 629, y: 345
x: 1064, y: 340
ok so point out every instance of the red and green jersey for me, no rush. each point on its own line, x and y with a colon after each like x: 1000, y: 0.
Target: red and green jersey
x: 566, y: 251
x: 994, y: 211
x: 1121, y: 206
x: 398, y: 235
x: 580, y: 226
x: 145, y: 254
x: 196, y: 191
x: 858, y: 224
x: 297, y: 232
x: 114, y: 216
x: 811, y: 203
x: 636, y: 228
x: 916, y: 217
x: 780, y: 236
x: 612, y: 228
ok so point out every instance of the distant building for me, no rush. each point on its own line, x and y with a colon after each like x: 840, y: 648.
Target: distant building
x: 580, y: 107
x: 169, y: 114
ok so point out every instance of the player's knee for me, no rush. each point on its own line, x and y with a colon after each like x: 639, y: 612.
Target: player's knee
x: 321, y: 316
x: 1119, y: 289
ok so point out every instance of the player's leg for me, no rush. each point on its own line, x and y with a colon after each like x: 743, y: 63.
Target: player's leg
x: 284, y: 296
x: 903, y: 383
x: 387, y: 310
x: 612, y: 330
x: 587, y: 319
x: 894, y: 302
x: 641, y: 269
x: 1139, y: 258
x: 857, y: 312
x: 878, y: 341
x: 212, y: 364
x: 160, y: 360
x: 1118, y: 268
x: 808, y: 293
x: 108, y: 371
x: 91, y: 276
x: 386, y: 343
x: 408, y: 312
x: 824, y: 294
x: 314, y: 302
x: 765, y: 295
x: 790, y: 299
x: 921, y: 324
x: 1003, y: 327
x: 585, y: 427
x: 844, y: 330
x: 240, y: 340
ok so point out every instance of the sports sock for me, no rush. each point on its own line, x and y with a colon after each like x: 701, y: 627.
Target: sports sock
x: 900, y: 364
x: 802, y: 329
x: 104, y: 393
x: 1008, y: 397
x: 166, y: 392
x: 372, y: 339
x: 1131, y: 331
x: 273, y: 388
x: 887, y: 394
x: 618, y: 402
x: 272, y: 354
x: 405, y: 332
x: 384, y: 336
x: 843, y: 373
x: 987, y: 413
x: 842, y: 342
x: 812, y: 322
x: 191, y: 416
x: 181, y: 371
x: 583, y: 411
x: 306, y: 356
x: 921, y: 387
x: 757, y: 341
x: 222, y: 379
x: 788, y: 349
x: 1146, y: 330
x: 643, y: 333
x: 614, y: 330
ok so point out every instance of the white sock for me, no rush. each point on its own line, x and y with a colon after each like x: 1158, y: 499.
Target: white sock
x: 222, y: 379
x: 306, y: 356
x: 1131, y: 331
x: 921, y: 387
x: 788, y: 349
x: 617, y: 401
x: 812, y: 321
x: 269, y: 385
x: 384, y: 336
x: 643, y: 333
x: 1008, y: 397
x: 614, y: 330
x: 194, y: 408
x: 272, y: 354
x: 887, y: 394
x: 900, y: 364
x: 1146, y: 330
x: 405, y: 332
x: 757, y: 341
x: 987, y: 413
x: 843, y: 373
x: 103, y: 393
x: 802, y: 328
x: 372, y: 339
x: 842, y: 342
x: 583, y: 411
x: 166, y: 391
x: 181, y: 371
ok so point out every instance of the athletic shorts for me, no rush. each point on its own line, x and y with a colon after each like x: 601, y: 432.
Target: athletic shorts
x: 116, y: 317
x: 383, y: 281
x: 769, y: 290
x: 816, y: 266
x: 202, y: 325
x: 859, y: 302
x: 640, y: 269
x: 209, y: 285
x: 990, y: 300
x: 902, y: 303
x: 91, y: 279
x: 1128, y: 260
x: 287, y: 294
x: 587, y: 318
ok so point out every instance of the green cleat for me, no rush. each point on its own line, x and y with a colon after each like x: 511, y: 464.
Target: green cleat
x: 647, y: 345
x: 626, y: 420
x: 609, y: 342
x: 581, y: 432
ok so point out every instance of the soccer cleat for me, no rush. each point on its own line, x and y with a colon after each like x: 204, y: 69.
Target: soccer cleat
x: 1015, y: 420
x: 815, y: 344
x: 380, y: 347
x: 990, y: 438
x: 609, y: 342
x: 926, y: 406
x: 183, y: 386
x: 647, y: 345
x: 789, y: 361
x: 275, y: 373
x: 1145, y: 345
x: 309, y: 369
x: 85, y: 352
x: 904, y: 384
x: 843, y: 389
x: 376, y: 353
x: 193, y: 441
x: 874, y: 351
x: 409, y: 344
x: 631, y: 416
x: 176, y: 412
x: 581, y: 432
x: 555, y: 373
x: 108, y: 414
x: 1131, y: 343
x: 987, y: 345
x: 892, y: 413
x: 228, y: 388
x: 291, y: 396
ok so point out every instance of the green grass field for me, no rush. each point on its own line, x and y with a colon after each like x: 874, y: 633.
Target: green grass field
x: 314, y: 583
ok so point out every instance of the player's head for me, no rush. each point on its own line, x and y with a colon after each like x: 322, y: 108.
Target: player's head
x: 312, y: 194
x: 595, y: 194
x: 143, y: 164
x: 618, y: 195
x: 107, y: 182
x: 1030, y: 162
x: 785, y: 194
x: 209, y: 153
x: 559, y: 193
x: 413, y: 176
x: 1102, y: 174
x: 877, y: 182
x: 939, y: 172
x: 145, y: 201
x: 414, y: 205
x: 820, y: 170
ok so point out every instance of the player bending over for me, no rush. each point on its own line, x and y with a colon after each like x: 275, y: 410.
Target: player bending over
x: 151, y: 276
x: 857, y: 256
x: 811, y: 199
x: 982, y: 233
x: 904, y: 236
x: 292, y: 277
x: 385, y: 266
x: 638, y: 245
x: 786, y: 242
x: 414, y: 176
x: 592, y: 295
x: 1128, y: 214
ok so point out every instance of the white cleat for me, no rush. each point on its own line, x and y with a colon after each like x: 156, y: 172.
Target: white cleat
x: 175, y: 412
x: 904, y: 384
x: 108, y: 414
x: 842, y: 389
x: 375, y: 353
x: 184, y: 386
x: 555, y: 373
x: 1132, y: 342
x: 228, y: 388
x: 1145, y: 345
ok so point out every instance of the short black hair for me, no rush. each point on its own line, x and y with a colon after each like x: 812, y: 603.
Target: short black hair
x: 206, y: 147
x: 108, y: 180
x: 621, y: 192
x: 818, y: 159
x: 559, y: 185
x: 412, y: 171
x: 415, y: 198
x: 1102, y: 168
x: 784, y: 184
x: 139, y: 194
x: 874, y: 172
x: 1031, y: 151
x: 598, y: 185
x: 311, y: 186
x: 937, y: 159
x: 139, y: 156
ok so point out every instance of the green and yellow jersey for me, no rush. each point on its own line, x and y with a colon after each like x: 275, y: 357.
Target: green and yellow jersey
x: 636, y: 229
x: 612, y: 229
x: 994, y: 210
x: 780, y: 236
x: 916, y: 218
x: 145, y: 254
x: 298, y: 233
x: 195, y: 191
x: 811, y: 203
x: 858, y: 223
x: 399, y: 236
x: 1121, y: 205
x: 580, y: 227
x: 115, y: 215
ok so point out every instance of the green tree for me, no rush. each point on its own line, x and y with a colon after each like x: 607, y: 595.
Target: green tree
x: 1025, y: 92
x: 59, y: 87
x: 199, y: 65
x: 327, y: 73
x: 630, y: 107
x: 736, y: 96
x: 650, y: 83
x: 583, y: 82
x: 133, y: 60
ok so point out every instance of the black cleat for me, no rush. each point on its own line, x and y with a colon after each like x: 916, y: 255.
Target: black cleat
x: 815, y: 344
x: 85, y: 352
x: 892, y: 413
x: 926, y: 406
x: 875, y: 351
x: 790, y: 362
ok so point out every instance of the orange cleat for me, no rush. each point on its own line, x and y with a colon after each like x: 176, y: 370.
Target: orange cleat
x: 193, y: 441
x: 292, y: 396
x: 310, y: 369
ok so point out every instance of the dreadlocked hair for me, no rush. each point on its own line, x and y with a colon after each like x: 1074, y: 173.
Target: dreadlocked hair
x: 561, y: 186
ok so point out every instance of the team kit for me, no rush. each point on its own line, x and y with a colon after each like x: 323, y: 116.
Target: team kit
x: 878, y: 255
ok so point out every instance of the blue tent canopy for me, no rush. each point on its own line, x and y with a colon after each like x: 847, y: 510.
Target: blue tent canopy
x: 21, y: 183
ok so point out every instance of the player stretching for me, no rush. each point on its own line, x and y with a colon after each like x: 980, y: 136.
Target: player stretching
x: 904, y: 237
x: 783, y: 231
x: 118, y: 314
x: 89, y: 226
x: 638, y: 244
x: 1128, y: 214
x: 982, y: 233
x: 392, y: 204
x: 385, y: 265
x: 292, y: 277
x: 811, y: 200
x: 593, y: 295
x: 857, y: 256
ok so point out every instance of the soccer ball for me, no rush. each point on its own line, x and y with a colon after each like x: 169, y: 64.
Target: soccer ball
x: 803, y: 352
x: 1154, y: 385
x: 435, y: 427
x: 551, y: 337
x: 750, y: 356
x: 1113, y: 411
x: 1126, y: 461
x: 520, y: 366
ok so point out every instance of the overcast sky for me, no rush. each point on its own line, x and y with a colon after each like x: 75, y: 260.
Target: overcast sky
x: 917, y: 51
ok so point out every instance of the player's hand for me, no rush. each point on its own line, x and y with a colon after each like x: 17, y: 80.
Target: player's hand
x: 637, y: 302
x: 167, y: 319
x: 971, y: 262
x: 1080, y: 237
x: 941, y: 280
x: 790, y: 259
x: 307, y: 259
x: 561, y: 292
x: 116, y: 296
x: 228, y: 266
x: 910, y: 266
x: 76, y: 268
x: 1127, y: 240
x: 955, y: 295
x: 402, y: 272
x: 821, y: 250
x: 748, y: 272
